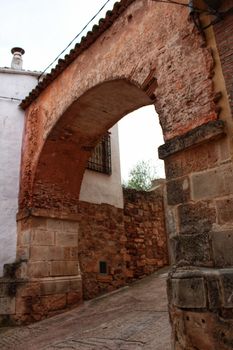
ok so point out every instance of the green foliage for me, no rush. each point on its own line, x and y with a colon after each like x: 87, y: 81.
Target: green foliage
x: 140, y: 176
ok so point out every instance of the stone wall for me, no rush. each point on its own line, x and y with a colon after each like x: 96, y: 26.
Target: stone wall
x: 58, y: 259
x: 199, y: 197
x: 45, y: 279
x: 144, y: 219
x: 132, y: 242
x: 101, y: 238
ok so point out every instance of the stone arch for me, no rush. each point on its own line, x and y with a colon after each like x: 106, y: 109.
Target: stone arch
x: 179, y: 80
x: 144, y: 52
x: 71, y: 141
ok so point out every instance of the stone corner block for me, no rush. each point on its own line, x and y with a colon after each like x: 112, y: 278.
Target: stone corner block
x: 188, y: 293
x: 222, y: 246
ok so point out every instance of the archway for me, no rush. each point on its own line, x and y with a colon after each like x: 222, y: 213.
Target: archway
x: 137, y: 56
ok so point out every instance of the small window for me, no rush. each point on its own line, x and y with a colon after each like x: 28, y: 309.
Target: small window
x: 103, y: 267
x: 100, y: 159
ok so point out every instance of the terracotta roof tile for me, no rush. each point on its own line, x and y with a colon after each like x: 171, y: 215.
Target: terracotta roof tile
x: 86, y: 41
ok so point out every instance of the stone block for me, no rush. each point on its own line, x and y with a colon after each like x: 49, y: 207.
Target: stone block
x: 70, y: 226
x: 76, y: 284
x: 42, y: 237
x: 7, y: 306
x: 201, y: 330
x: 226, y: 282
x: 71, y: 253
x: 225, y: 211
x: 22, y: 253
x: 212, y: 183
x: 64, y: 268
x: 54, y: 225
x: 192, y: 160
x: 222, y: 245
x: 66, y: 239
x: 178, y: 191
x: 3, y: 289
x: 54, y: 286
x: 24, y: 237
x: 208, y: 184
x: 196, y: 218
x: 198, y: 331
x: 191, y: 250
x: 37, y: 222
x: 46, y: 253
x: 213, y: 292
x: 38, y: 269
x: 201, y: 134
x: 189, y: 293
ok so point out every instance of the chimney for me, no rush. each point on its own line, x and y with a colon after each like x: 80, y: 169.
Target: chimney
x: 17, y: 61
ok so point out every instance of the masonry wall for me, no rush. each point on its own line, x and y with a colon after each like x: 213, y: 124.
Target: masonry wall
x: 131, y: 241
x: 144, y: 219
x: 101, y: 238
x: 46, y: 278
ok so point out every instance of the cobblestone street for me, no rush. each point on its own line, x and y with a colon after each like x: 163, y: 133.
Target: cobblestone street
x: 133, y: 318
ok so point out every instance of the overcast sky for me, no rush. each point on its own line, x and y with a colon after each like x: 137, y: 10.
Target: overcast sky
x: 43, y: 29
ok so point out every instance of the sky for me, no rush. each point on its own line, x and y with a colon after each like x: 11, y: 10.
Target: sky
x: 43, y: 29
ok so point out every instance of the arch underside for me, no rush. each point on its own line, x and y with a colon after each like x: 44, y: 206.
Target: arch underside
x: 65, y: 154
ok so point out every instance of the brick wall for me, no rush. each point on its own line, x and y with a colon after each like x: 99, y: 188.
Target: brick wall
x: 224, y: 37
x: 145, y: 231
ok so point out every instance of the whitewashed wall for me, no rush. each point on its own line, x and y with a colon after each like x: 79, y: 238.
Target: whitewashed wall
x: 13, y: 85
x: 101, y: 188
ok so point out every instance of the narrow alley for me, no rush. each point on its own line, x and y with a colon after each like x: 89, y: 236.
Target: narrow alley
x: 132, y: 318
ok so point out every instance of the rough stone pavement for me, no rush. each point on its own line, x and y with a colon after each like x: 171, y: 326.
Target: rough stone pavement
x: 132, y: 318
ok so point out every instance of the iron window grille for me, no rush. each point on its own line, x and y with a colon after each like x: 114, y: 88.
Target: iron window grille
x: 100, y: 159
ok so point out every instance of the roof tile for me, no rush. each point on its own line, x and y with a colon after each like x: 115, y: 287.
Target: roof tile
x: 86, y: 41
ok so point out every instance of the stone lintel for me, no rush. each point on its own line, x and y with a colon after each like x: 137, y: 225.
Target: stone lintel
x: 204, y: 133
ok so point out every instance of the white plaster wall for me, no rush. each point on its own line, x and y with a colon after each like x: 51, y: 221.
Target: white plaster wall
x: 101, y: 188
x: 13, y: 84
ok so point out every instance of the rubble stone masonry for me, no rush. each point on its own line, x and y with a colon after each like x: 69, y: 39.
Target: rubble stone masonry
x: 144, y: 218
x: 132, y: 241
x: 58, y: 260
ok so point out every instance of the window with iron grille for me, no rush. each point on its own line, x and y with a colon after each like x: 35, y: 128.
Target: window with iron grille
x: 100, y: 159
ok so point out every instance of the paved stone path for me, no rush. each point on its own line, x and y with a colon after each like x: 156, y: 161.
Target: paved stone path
x: 132, y: 318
